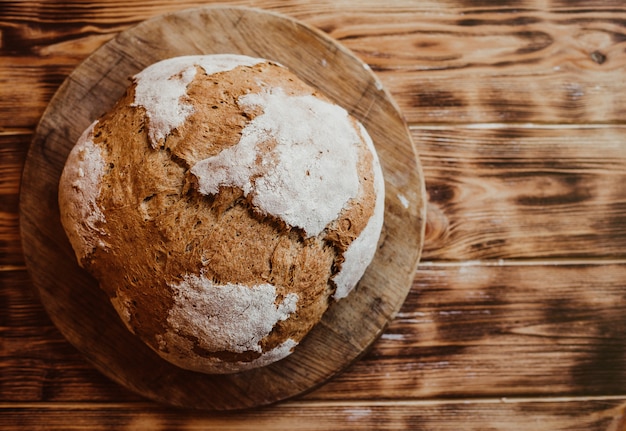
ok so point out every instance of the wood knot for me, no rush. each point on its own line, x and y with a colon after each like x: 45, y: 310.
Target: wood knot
x: 598, y: 57
x: 440, y: 193
x: 437, y: 227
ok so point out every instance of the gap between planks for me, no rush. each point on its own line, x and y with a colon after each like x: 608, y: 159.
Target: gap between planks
x: 10, y: 268
x: 464, y: 263
x: 500, y: 126
x: 523, y: 262
x: 16, y: 132
x: 435, y: 126
x: 86, y: 405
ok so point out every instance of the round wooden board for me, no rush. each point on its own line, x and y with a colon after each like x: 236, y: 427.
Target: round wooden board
x: 82, y: 312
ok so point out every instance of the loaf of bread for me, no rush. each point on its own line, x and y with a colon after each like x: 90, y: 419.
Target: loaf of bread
x: 223, y: 205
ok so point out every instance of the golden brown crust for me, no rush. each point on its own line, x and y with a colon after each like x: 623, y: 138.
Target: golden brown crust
x: 160, y: 228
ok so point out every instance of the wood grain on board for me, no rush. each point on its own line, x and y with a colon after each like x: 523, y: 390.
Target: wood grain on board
x: 81, y: 310
x: 475, y: 65
x: 473, y: 330
x: 530, y: 192
x: 503, y: 414
x: 515, y: 318
x: 494, y: 192
x: 13, y: 150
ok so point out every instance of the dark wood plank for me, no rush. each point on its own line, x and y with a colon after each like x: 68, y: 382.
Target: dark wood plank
x: 521, y: 65
x: 37, y: 363
x: 469, y: 330
x: 13, y: 148
x: 459, y: 62
x: 514, y: 415
x: 499, y: 330
x: 26, y: 87
x: 531, y: 192
x: 494, y: 192
x: 89, y: 321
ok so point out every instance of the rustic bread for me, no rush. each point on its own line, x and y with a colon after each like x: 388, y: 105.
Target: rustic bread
x: 222, y: 205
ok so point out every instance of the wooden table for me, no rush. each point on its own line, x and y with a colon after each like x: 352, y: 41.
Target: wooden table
x: 517, y: 315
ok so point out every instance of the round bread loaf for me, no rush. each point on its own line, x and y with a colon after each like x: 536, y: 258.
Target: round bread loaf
x: 222, y: 205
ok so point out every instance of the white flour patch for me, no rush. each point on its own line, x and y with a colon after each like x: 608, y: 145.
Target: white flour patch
x: 160, y: 87
x: 83, y: 170
x: 403, y: 200
x: 228, y: 317
x: 180, y: 355
x: 361, y: 251
x: 308, y: 176
x: 268, y: 357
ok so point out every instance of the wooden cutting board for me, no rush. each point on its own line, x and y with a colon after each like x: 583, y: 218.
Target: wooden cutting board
x: 83, y: 313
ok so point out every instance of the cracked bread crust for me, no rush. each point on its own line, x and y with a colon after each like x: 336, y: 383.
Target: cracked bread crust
x: 231, y: 278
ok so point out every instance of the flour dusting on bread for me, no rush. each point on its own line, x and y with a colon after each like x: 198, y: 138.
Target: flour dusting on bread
x: 227, y: 317
x: 85, y: 168
x: 223, y: 205
x: 161, y: 87
x: 297, y: 178
x: 359, y: 254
